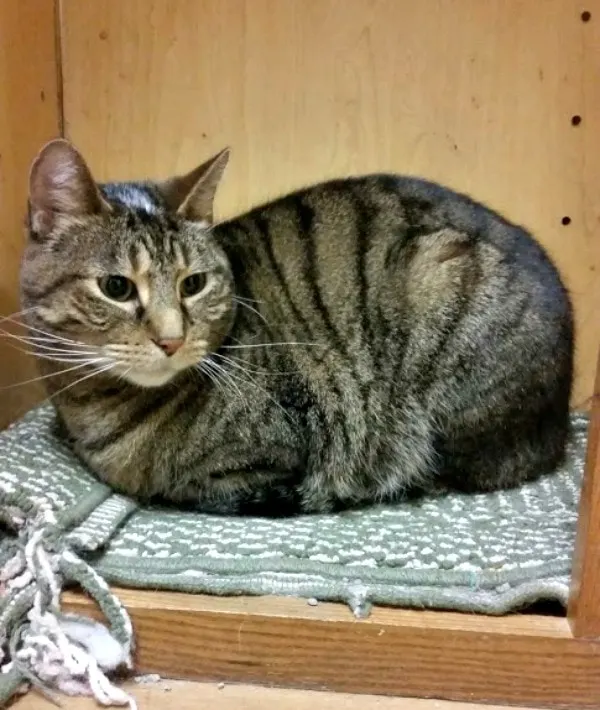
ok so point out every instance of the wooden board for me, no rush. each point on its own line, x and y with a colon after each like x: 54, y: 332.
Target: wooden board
x: 584, y: 608
x: 29, y: 116
x: 518, y: 659
x: 194, y: 696
x: 590, y: 177
x: 478, y: 95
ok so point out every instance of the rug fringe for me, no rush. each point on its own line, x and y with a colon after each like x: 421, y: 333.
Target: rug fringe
x: 39, y: 644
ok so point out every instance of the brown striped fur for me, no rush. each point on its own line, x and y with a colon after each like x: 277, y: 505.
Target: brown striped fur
x: 355, y: 340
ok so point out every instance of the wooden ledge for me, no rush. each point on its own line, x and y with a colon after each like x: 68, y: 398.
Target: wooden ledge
x: 518, y: 659
x: 184, y: 695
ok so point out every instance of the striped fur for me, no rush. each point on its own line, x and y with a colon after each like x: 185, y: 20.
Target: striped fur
x: 360, y: 339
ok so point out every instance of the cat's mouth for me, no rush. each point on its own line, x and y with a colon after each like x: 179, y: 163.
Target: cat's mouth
x: 151, y: 369
x: 158, y: 375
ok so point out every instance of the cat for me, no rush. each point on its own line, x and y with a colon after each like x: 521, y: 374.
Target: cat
x: 340, y: 346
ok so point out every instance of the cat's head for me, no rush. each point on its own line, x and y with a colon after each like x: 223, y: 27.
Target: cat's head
x: 125, y: 275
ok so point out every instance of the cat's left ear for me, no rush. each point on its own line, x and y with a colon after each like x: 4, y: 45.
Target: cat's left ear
x: 192, y: 196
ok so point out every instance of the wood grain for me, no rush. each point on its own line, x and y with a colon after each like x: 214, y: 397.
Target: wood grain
x: 584, y: 609
x: 518, y: 659
x: 192, y: 696
x: 29, y: 117
x: 589, y: 172
x: 478, y: 95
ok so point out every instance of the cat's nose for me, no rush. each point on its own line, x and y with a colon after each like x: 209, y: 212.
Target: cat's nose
x: 169, y: 345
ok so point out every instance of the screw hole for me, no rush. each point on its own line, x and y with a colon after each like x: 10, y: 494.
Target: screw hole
x: 575, y: 120
x: 566, y: 221
x: 586, y: 16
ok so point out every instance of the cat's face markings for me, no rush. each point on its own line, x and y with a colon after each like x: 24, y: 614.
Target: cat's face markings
x: 128, y: 268
x: 183, y: 294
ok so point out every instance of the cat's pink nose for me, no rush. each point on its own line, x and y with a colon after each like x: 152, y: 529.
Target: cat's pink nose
x: 169, y: 345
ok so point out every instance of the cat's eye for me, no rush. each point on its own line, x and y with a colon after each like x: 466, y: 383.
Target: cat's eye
x: 117, y: 288
x: 192, y: 285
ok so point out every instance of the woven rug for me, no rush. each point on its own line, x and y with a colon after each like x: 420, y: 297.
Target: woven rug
x: 489, y: 553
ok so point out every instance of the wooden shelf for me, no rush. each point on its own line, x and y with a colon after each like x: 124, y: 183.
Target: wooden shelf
x: 191, y: 696
x: 519, y: 659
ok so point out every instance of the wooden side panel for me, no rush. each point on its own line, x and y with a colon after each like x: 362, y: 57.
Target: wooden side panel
x: 584, y: 608
x: 520, y: 659
x: 590, y: 185
x: 29, y: 116
x: 478, y: 95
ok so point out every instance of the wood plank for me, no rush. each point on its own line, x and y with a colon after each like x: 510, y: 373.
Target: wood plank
x: 29, y: 117
x: 191, y: 696
x: 479, y: 95
x: 589, y: 167
x: 278, y: 641
x: 584, y: 608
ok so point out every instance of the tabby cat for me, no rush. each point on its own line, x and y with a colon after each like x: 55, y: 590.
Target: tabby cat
x: 339, y: 346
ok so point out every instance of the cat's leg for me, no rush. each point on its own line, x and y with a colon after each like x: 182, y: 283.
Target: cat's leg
x: 504, y: 415
x: 253, y: 492
x: 499, y: 455
x: 398, y: 456
x: 409, y: 459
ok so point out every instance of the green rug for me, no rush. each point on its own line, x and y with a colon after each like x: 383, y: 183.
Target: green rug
x: 489, y: 553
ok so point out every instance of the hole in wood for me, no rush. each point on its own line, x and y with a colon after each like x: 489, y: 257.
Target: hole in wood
x: 586, y: 16
x: 575, y: 120
x: 566, y: 220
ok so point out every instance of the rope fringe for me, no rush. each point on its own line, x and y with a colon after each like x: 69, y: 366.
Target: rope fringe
x: 39, y: 644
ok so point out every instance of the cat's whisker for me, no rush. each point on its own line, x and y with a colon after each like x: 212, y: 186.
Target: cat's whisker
x: 237, y: 300
x: 214, y: 378
x: 75, y: 358
x: 66, y: 354
x: 228, y: 378
x: 120, y: 348
x: 123, y: 375
x: 269, y: 345
x: 17, y: 314
x: 247, y: 378
x: 48, y: 348
x: 97, y: 371
x: 26, y: 340
x: 39, y: 330
x: 55, y: 358
x: 29, y: 352
x: 43, y: 340
x: 79, y: 366
x: 201, y: 369
x: 242, y: 365
x: 248, y: 300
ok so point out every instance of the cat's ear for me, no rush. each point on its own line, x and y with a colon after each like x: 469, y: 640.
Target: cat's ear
x: 61, y: 189
x: 192, y: 196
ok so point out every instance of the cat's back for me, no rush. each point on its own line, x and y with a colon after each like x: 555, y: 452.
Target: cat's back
x: 412, y: 205
x: 378, y: 223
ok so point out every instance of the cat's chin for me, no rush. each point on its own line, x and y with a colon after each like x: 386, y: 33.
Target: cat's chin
x: 150, y: 379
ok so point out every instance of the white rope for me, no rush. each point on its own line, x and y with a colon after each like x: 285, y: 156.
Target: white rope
x: 46, y: 649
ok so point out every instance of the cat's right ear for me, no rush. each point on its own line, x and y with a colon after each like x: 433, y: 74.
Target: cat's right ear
x: 61, y: 189
x: 192, y: 196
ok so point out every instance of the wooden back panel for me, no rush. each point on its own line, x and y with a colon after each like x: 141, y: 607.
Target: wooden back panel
x: 29, y: 116
x: 478, y: 95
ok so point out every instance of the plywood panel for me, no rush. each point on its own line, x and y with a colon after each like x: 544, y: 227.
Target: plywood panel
x: 28, y: 117
x: 478, y: 95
